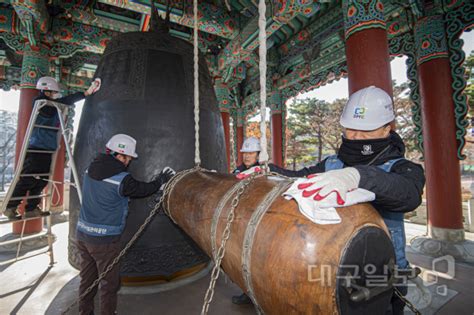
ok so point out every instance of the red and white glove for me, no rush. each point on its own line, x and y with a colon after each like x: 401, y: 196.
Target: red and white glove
x: 95, y: 86
x: 249, y: 172
x: 340, y: 182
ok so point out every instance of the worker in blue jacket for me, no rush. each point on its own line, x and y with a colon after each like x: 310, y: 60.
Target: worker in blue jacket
x: 371, y: 157
x: 106, y: 190
x: 43, y: 141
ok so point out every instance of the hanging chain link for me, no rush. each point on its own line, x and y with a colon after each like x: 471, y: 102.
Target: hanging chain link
x: 221, y: 251
x: 168, y: 188
x: 406, y: 301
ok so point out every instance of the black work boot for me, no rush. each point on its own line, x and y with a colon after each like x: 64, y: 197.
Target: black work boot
x: 12, y: 214
x: 36, y: 212
x: 242, y: 299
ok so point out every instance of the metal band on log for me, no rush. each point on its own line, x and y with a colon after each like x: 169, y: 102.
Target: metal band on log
x: 283, y: 261
x: 250, y: 235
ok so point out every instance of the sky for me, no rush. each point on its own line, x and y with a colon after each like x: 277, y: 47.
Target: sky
x: 339, y: 89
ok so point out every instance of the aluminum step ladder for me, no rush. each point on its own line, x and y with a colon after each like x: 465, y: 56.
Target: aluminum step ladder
x: 63, y: 133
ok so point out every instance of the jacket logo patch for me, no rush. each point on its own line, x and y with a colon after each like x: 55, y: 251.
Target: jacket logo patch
x: 367, y: 150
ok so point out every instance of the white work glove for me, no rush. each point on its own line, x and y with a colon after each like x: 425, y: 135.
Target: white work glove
x: 249, y: 172
x: 95, y: 86
x: 340, y: 182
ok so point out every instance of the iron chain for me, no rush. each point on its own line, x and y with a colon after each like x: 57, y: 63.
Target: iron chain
x: 405, y: 300
x: 169, y: 186
x: 221, y: 251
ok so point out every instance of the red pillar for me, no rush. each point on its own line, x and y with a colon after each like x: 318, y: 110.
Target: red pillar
x: 35, y: 65
x: 277, y: 138
x: 24, y: 113
x: 443, y: 178
x: 367, y: 52
x: 368, y: 60
x: 240, y: 142
x: 226, y: 124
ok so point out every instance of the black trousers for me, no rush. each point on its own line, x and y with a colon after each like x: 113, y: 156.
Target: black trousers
x: 35, y: 163
x: 94, y: 259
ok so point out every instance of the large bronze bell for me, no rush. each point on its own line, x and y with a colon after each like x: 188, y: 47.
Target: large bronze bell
x: 147, y: 92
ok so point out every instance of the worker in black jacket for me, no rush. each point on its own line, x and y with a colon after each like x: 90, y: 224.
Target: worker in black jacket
x: 371, y: 157
x: 251, y: 150
x: 42, y: 140
x: 106, y: 190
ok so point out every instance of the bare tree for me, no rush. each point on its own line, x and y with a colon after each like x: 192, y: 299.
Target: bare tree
x: 7, y: 145
x: 253, y: 130
x: 404, y: 119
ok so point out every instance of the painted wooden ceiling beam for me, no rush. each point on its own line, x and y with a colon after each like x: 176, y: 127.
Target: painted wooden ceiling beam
x: 242, y: 46
x: 34, y: 18
x: 213, y: 19
x: 101, y: 20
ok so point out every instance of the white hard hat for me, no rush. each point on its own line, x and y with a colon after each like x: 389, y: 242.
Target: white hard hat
x: 48, y: 84
x: 251, y: 144
x: 123, y: 144
x: 367, y: 109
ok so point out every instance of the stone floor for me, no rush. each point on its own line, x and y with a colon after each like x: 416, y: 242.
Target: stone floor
x: 32, y: 287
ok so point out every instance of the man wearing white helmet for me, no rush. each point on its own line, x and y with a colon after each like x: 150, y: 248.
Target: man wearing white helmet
x: 371, y: 156
x: 106, y: 190
x: 42, y: 140
x: 251, y: 150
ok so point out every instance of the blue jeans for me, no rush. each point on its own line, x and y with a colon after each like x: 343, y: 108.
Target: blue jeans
x: 396, y: 227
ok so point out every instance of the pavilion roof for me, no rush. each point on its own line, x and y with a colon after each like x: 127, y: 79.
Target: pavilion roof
x: 305, y: 40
